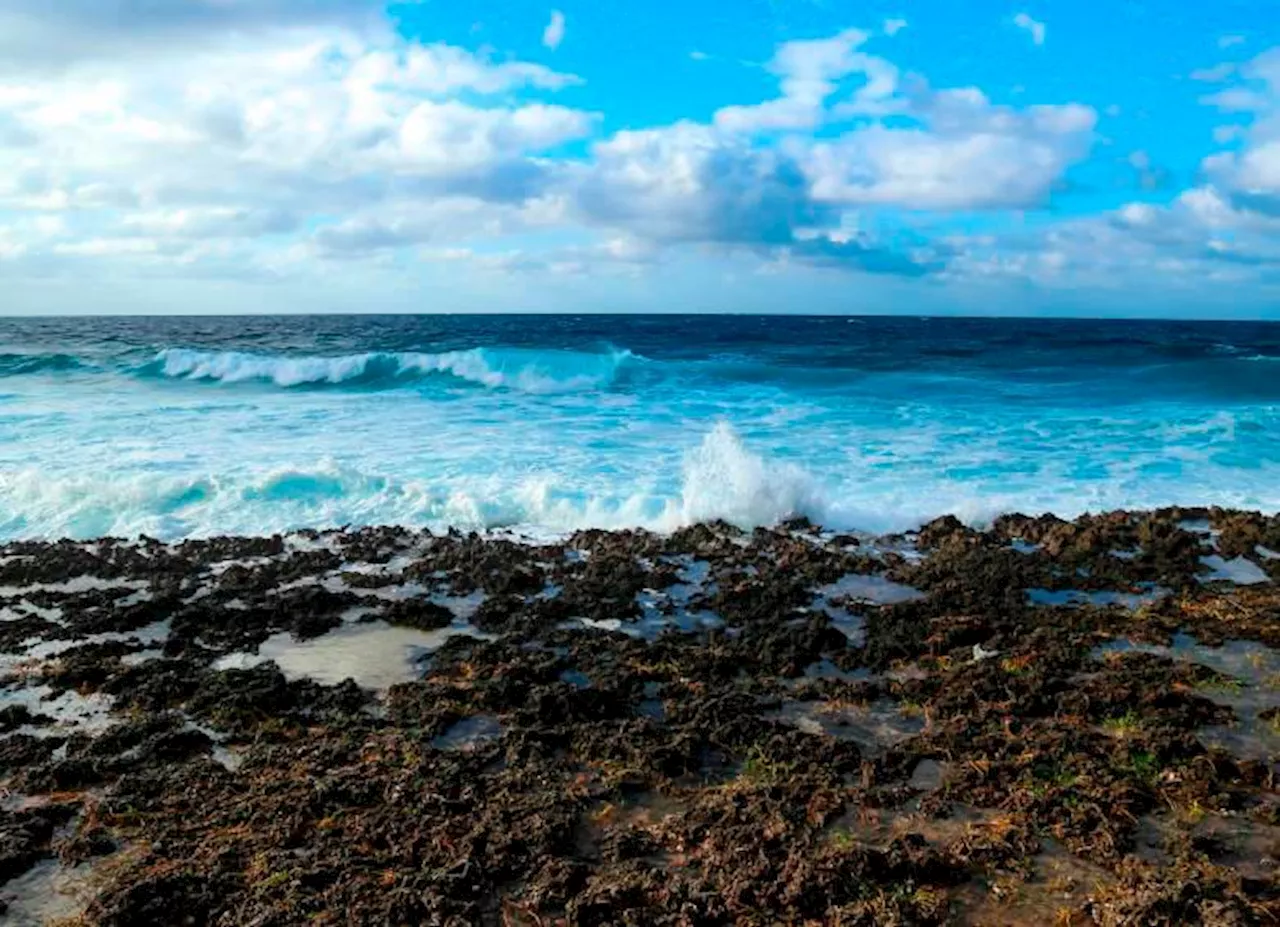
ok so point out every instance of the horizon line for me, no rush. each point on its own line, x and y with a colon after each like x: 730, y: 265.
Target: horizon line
x: 656, y: 314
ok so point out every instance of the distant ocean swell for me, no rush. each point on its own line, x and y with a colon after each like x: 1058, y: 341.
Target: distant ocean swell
x: 18, y: 365
x: 1216, y: 371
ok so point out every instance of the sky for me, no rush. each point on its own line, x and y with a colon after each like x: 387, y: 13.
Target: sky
x: 1092, y: 157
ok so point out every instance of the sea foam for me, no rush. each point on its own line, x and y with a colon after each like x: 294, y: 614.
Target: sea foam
x: 720, y: 479
x: 178, y: 427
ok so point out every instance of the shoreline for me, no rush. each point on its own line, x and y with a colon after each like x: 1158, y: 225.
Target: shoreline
x: 1038, y: 721
x: 536, y: 535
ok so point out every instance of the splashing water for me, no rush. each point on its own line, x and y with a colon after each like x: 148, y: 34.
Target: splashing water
x: 195, y: 427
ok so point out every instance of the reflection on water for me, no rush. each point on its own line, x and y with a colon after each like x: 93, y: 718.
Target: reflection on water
x: 1098, y: 599
x: 1254, y: 666
x: 873, y: 727
x: 376, y: 655
x: 47, y: 894
x: 469, y: 734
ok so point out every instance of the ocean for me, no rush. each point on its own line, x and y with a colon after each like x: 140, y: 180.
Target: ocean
x: 183, y: 427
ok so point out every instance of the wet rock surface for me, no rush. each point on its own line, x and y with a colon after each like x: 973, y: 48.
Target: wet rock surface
x: 1043, y: 722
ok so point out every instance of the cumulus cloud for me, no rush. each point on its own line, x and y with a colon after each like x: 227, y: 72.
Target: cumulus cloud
x: 325, y: 110
x: 35, y: 34
x: 444, y: 223
x: 1224, y: 232
x: 259, y: 139
x: 1250, y: 176
x: 1201, y: 229
x: 250, y: 144
x: 1207, y: 236
x: 945, y: 149
x: 440, y: 69
x: 553, y: 35
x: 757, y: 177
x: 691, y: 183
x: 453, y: 139
x: 324, y: 137
x: 1032, y: 27
x: 965, y: 153
x: 809, y: 73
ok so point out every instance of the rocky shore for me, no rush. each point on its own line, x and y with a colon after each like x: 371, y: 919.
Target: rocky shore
x: 1045, y: 722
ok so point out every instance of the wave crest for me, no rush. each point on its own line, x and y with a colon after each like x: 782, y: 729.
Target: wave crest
x: 14, y: 365
x: 523, y: 370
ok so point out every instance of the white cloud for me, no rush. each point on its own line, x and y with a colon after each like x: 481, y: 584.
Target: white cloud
x: 1138, y: 244
x: 1224, y: 233
x: 444, y: 139
x: 445, y: 69
x: 173, y: 159
x: 809, y: 73
x: 1251, y: 175
x: 619, y: 257
x: 942, y: 150
x: 445, y: 221
x: 1032, y: 27
x: 323, y: 138
x: 1257, y: 170
x: 1227, y: 41
x: 893, y: 26
x: 966, y: 153
x: 553, y: 35
x: 693, y: 184
x: 326, y: 111
x: 689, y: 182
x: 39, y: 35
x: 211, y: 222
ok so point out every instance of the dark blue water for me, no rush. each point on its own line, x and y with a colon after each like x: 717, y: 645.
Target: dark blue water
x: 181, y: 426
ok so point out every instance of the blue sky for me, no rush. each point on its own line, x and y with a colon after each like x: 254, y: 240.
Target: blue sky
x: 774, y: 155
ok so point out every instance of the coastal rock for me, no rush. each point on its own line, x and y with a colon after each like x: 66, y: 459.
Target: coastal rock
x: 626, y: 727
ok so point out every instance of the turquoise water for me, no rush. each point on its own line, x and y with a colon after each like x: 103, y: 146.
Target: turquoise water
x: 182, y: 427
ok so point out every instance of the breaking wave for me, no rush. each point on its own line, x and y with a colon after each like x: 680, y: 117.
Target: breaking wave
x: 523, y: 370
x: 720, y: 477
x: 187, y: 428
x: 1216, y: 376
